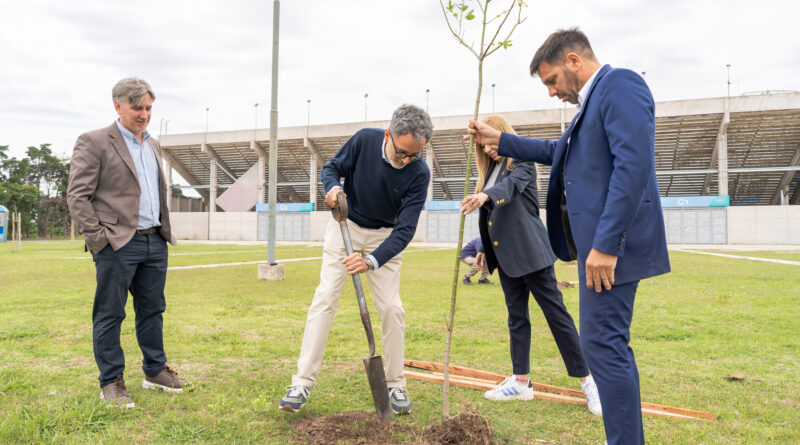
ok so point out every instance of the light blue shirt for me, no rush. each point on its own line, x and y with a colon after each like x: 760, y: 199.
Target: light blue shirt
x: 147, y: 170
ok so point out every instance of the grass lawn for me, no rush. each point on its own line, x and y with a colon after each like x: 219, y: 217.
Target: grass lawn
x: 237, y: 340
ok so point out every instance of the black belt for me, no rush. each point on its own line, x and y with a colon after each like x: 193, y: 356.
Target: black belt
x: 149, y: 231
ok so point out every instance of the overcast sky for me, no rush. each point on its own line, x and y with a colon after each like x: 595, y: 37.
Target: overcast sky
x: 60, y: 59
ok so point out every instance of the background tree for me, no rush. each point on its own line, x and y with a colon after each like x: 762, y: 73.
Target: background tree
x: 36, y: 186
x: 458, y: 14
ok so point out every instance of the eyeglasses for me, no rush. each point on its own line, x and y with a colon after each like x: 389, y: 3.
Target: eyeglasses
x: 402, y: 154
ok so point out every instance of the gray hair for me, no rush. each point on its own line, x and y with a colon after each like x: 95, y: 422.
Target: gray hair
x: 412, y: 119
x: 131, y: 89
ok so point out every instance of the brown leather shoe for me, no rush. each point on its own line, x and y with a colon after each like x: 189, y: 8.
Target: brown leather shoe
x: 166, y: 380
x: 116, y: 394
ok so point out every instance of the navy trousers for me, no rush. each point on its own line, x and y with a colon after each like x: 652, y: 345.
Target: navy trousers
x: 543, y: 285
x: 141, y: 268
x: 605, y: 320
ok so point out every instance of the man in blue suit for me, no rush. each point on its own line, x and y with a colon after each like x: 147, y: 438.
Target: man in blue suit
x: 603, y: 208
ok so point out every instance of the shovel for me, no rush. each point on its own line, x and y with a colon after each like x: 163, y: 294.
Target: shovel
x: 373, y: 363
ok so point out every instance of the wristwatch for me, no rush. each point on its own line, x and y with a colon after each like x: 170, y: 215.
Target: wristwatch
x: 370, y: 265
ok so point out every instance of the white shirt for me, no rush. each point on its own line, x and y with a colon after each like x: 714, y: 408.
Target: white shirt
x: 585, y: 90
x: 492, y: 176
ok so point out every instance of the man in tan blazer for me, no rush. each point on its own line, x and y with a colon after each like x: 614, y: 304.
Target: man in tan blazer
x: 117, y: 195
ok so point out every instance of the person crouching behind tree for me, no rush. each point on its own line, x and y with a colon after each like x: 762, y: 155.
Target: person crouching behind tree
x: 515, y: 243
x: 468, y: 254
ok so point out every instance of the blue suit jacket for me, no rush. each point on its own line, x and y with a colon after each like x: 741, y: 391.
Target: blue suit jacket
x: 607, y: 159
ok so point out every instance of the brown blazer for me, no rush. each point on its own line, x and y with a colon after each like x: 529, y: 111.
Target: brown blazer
x: 103, y: 191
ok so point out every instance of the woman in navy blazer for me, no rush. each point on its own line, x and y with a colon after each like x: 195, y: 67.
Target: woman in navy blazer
x: 515, y: 243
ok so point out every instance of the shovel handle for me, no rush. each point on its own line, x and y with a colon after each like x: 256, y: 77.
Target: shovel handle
x: 340, y: 214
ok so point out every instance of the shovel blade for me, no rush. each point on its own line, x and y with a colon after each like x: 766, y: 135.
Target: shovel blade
x: 377, y: 385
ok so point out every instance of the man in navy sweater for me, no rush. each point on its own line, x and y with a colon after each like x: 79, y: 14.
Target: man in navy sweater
x: 386, y: 183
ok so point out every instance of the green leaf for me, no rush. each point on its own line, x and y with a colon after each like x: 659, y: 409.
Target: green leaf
x: 470, y: 14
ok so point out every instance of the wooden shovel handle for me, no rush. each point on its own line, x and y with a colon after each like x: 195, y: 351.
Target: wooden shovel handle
x: 340, y: 212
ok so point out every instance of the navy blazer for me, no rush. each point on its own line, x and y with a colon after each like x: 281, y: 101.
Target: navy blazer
x: 607, y: 159
x: 513, y: 236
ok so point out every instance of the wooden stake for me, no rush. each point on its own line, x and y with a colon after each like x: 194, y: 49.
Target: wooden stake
x: 13, y: 234
x: 477, y: 379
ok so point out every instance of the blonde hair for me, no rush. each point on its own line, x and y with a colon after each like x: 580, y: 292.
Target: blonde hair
x: 482, y: 160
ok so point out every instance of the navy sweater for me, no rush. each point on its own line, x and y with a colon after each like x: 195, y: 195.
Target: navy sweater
x: 379, y: 195
x: 472, y: 248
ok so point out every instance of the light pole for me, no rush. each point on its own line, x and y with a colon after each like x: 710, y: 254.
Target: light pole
x: 366, y: 95
x: 255, y: 116
x: 427, y: 99
x: 207, y: 119
x: 308, y: 113
x: 728, y: 66
x: 493, y: 98
x: 166, y: 123
x: 160, y: 127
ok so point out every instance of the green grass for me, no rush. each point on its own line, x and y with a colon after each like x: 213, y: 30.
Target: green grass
x: 237, y: 340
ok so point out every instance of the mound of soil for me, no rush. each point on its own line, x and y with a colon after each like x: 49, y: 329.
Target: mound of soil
x: 469, y: 428
x: 355, y: 427
x: 360, y: 427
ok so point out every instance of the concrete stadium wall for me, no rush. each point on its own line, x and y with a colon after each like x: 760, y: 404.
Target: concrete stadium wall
x: 232, y: 226
x: 764, y: 225
x: 189, y: 225
x: 696, y: 225
x: 775, y: 225
x: 225, y: 226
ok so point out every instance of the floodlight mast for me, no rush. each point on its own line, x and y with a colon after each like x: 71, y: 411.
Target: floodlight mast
x: 273, y: 136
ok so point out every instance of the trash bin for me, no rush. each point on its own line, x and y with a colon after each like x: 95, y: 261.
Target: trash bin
x: 3, y: 223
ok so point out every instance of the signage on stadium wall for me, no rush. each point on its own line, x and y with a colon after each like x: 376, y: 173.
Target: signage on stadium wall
x: 666, y: 202
x: 288, y: 207
x: 442, y: 205
x: 696, y: 201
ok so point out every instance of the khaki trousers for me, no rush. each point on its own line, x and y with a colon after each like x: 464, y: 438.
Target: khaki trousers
x: 473, y: 269
x: 384, y: 284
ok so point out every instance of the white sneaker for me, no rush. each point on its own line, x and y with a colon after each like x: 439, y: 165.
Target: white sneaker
x: 510, y: 389
x: 592, y: 396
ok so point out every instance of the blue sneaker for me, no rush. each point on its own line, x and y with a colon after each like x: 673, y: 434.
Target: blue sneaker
x: 398, y: 398
x: 294, y: 399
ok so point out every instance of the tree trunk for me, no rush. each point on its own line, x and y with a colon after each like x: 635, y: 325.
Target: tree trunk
x: 450, y: 321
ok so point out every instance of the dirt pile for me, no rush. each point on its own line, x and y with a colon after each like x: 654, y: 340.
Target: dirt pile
x: 356, y: 427
x: 468, y: 428
x: 360, y: 427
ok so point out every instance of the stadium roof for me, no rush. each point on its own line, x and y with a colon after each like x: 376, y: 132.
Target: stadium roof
x: 763, y: 150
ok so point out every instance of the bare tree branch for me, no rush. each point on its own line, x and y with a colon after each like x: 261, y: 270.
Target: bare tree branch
x: 511, y: 31
x: 459, y: 36
x: 486, y: 52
